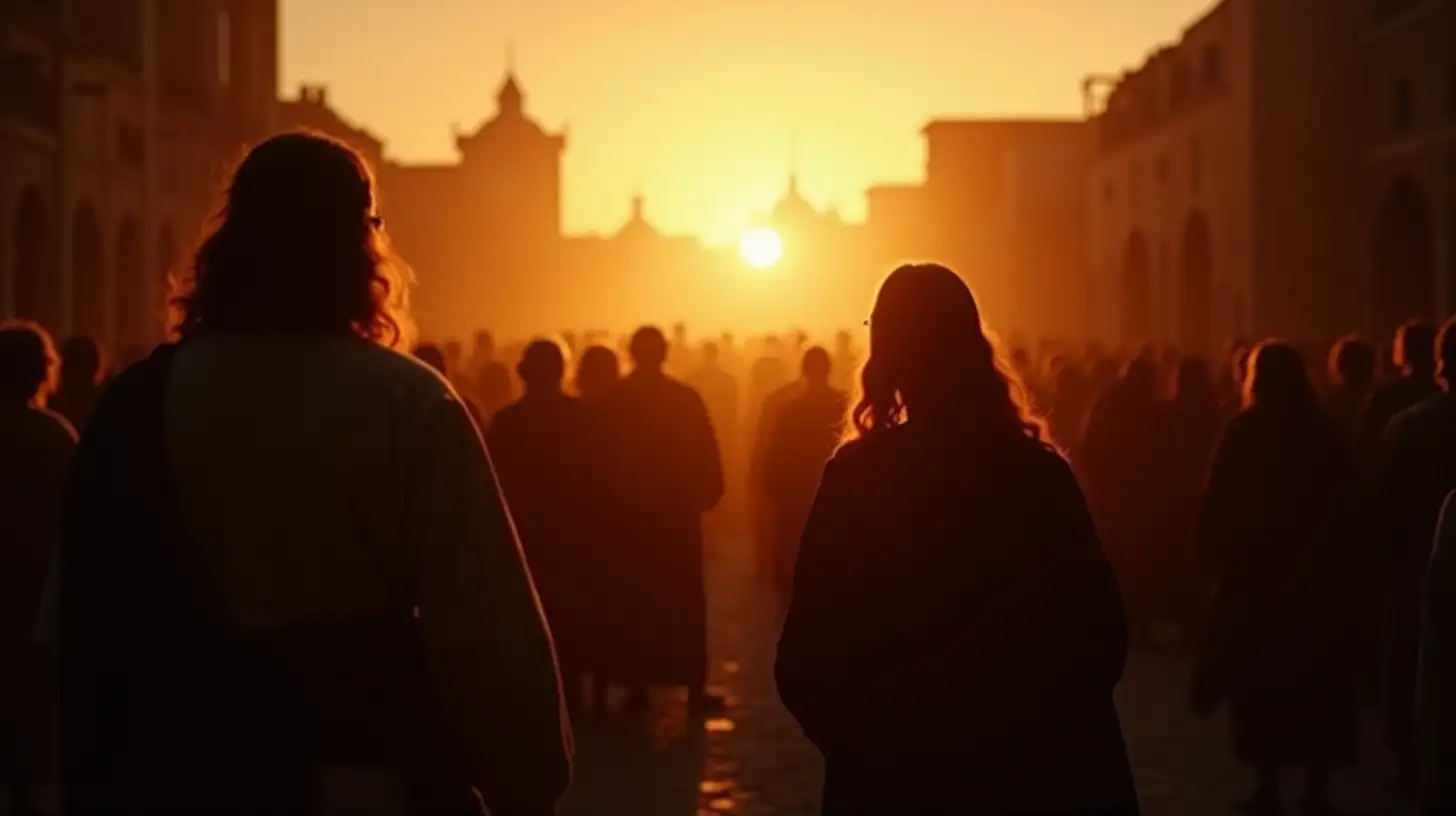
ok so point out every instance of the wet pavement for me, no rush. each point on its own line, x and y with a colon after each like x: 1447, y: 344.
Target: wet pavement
x: 753, y: 760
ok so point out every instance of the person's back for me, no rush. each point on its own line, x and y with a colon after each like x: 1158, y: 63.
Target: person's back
x: 285, y: 550
x: 950, y: 560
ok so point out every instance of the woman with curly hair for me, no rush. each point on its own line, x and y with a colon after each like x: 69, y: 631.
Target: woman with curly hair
x: 955, y: 631
x: 288, y: 578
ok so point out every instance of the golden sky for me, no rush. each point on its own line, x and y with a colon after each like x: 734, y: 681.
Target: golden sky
x: 700, y: 102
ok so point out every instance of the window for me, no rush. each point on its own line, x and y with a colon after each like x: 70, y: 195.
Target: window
x: 1182, y: 83
x: 1404, y: 105
x: 1195, y: 164
x: 224, y: 49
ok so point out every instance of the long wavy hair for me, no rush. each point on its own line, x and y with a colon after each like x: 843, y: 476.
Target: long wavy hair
x: 296, y: 246
x: 928, y: 346
x: 1278, y: 379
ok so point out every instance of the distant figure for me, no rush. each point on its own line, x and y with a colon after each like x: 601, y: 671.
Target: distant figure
x: 1414, y: 469
x: 955, y: 632
x: 1352, y: 379
x: 551, y: 452
x: 669, y: 475
x: 720, y: 393
x: 83, y: 368
x: 1435, y: 714
x: 1121, y: 464
x: 1415, y: 355
x: 35, y: 453
x: 1071, y: 397
x: 1278, y: 528
x: 1194, y: 421
x: 597, y: 373
x: 805, y: 430
x: 286, y: 555
x: 431, y: 355
x: 846, y: 361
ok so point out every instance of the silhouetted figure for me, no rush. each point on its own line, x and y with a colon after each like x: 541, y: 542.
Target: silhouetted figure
x: 551, y: 452
x: 1415, y: 355
x: 1352, y: 379
x: 1121, y: 465
x: 1414, y: 469
x: 83, y: 368
x: 597, y: 373
x: 1071, y: 397
x: 35, y: 452
x: 1194, y: 420
x: 955, y: 632
x: 805, y: 430
x: 846, y: 361
x: 431, y: 355
x: 288, y: 580
x: 669, y: 476
x: 720, y: 393
x: 1435, y: 703
x: 1278, y: 529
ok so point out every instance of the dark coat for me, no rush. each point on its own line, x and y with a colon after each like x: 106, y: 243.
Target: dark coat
x: 955, y: 632
x: 1279, y: 530
x: 551, y: 454
x: 668, y: 474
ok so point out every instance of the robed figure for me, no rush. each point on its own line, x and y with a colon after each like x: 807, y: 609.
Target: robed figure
x: 805, y: 429
x: 550, y: 451
x: 1279, y: 531
x: 669, y: 475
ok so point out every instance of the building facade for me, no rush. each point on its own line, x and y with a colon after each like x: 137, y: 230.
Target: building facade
x: 1284, y: 169
x: 122, y: 116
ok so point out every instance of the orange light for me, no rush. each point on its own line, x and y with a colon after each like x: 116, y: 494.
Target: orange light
x: 761, y: 247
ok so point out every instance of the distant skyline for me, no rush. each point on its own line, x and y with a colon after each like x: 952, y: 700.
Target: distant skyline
x: 699, y: 104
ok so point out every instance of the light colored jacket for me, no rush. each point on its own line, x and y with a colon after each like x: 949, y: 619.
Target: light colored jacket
x: 329, y: 479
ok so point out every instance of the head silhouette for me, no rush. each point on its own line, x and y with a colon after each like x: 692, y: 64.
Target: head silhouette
x: 648, y: 349
x: 1446, y: 351
x: 931, y: 358
x: 296, y: 247
x: 430, y: 355
x: 81, y: 361
x: 1193, y: 381
x: 1352, y: 363
x: 484, y: 345
x: 710, y: 354
x: 542, y: 367
x: 1277, y: 378
x: 28, y: 362
x: 596, y: 372
x: 816, y: 366
x: 1415, y: 347
x: 1140, y: 378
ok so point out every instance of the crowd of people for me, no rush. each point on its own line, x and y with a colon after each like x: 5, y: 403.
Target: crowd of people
x: 280, y: 568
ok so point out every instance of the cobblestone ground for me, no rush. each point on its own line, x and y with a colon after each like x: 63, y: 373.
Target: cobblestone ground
x: 754, y: 761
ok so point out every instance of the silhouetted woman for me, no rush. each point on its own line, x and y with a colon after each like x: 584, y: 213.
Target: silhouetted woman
x: 289, y: 581
x: 955, y: 632
x: 1352, y: 379
x: 1276, y: 527
x: 597, y: 372
x: 83, y: 368
x: 35, y: 451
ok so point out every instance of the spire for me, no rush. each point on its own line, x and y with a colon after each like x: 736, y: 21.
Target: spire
x: 638, y: 206
x: 509, y: 99
x: 793, y: 191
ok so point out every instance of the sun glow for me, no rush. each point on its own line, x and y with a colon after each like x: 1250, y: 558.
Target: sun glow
x: 761, y: 247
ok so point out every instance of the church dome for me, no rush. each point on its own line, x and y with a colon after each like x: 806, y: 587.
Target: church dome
x: 793, y: 207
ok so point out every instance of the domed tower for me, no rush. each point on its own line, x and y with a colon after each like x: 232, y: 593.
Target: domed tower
x: 513, y: 167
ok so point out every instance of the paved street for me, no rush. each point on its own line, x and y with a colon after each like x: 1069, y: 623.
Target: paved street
x: 754, y: 761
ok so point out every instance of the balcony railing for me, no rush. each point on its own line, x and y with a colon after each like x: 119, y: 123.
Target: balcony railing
x: 30, y: 97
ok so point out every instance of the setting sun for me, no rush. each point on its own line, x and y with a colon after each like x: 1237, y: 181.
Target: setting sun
x: 761, y: 247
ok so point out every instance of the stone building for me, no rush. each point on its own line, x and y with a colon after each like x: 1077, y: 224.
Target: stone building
x: 1408, y: 159
x: 1284, y: 169
x: 116, y: 120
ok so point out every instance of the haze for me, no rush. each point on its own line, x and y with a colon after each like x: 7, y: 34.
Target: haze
x: 699, y: 104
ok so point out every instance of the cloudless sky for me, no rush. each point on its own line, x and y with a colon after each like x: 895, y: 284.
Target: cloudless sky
x: 699, y: 103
